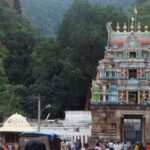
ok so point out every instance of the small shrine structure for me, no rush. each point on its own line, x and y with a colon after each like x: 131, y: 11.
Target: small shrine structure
x: 13, y: 127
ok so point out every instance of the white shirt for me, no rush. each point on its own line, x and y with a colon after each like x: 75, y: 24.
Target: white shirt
x: 97, y: 148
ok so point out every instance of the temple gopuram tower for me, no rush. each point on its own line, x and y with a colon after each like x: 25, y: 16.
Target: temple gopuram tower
x: 120, y: 102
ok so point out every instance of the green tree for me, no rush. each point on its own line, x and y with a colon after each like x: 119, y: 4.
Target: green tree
x: 16, y: 37
x: 11, y: 22
x: 56, y: 79
x: 18, y: 60
x: 17, y: 65
x: 143, y: 12
x: 9, y: 100
x: 52, y: 12
x: 47, y: 68
x: 83, y: 36
x: 139, y: 2
x: 142, y: 16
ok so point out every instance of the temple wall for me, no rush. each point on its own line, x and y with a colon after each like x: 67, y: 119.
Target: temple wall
x: 107, y: 121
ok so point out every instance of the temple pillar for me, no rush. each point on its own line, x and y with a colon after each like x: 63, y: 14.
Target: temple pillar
x: 105, y: 74
x: 115, y: 74
x: 127, y: 97
x: 137, y: 73
x: 101, y: 73
x: 127, y: 73
x: 104, y: 92
x: 104, y: 97
x: 139, y: 97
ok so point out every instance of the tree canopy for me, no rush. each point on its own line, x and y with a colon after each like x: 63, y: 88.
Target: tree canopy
x: 83, y: 37
x: 59, y: 69
x: 52, y: 12
x: 12, y: 26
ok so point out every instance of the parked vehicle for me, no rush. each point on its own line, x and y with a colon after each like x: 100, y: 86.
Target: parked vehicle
x: 51, y: 141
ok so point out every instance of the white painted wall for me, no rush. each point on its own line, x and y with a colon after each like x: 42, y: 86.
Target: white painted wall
x: 77, y: 124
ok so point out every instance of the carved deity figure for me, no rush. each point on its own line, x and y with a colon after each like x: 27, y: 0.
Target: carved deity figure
x: 140, y: 72
x: 109, y: 30
x: 124, y: 73
x: 109, y: 70
x: 121, y: 95
x: 101, y: 69
x: 95, y: 91
x: 104, y: 92
x: 144, y: 96
x: 127, y: 73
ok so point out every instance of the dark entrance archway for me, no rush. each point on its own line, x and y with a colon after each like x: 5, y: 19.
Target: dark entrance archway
x: 132, y: 128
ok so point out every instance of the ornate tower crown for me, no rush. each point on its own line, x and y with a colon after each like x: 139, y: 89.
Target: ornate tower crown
x: 118, y: 37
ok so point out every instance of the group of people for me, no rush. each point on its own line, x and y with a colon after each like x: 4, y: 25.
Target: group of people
x: 77, y: 145
x: 9, y: 147
x: 111, y: 146
x: 71, y: 145
x: 119, y: 146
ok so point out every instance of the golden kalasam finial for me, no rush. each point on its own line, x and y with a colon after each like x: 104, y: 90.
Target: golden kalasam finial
x: 118, y: 27
x: 139, y: 27
x: 146, y: 28
x: 125, y: 27
x: 132, y: 27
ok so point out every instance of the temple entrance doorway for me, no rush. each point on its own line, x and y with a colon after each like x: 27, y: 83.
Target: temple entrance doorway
x: 132, y: 129
x: 133, y: 97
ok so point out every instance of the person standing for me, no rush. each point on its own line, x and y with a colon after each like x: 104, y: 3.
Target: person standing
x: 111, y: 145
x: 125, y: 146
x: 115, y: 146
x: 64, y: 145
x: 68, y: 145
x: 72, y: 145
x: 85, y: 147
x: 136, y: 147
x: 97, y: 147
x: 78, y: 144
x: 142, y: 147
x: 13, y: 147
x: 5, y: 147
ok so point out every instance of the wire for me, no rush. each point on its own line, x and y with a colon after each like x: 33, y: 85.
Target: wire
x: 27, y: 103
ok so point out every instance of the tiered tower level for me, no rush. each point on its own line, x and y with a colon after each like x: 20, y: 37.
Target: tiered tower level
x: 121, y: 91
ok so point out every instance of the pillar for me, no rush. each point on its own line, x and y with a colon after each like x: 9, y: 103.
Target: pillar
x: 104, y: 97
x: 138, y: 97
x: 104, y: 92
x: 127, y: 97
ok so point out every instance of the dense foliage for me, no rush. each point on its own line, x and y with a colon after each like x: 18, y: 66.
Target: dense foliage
x: 59, y: 69
x: 47, y: 15
x: 18, y: 60
x: 143, y: 12
x: 63, y: 69
x: 11, y: 25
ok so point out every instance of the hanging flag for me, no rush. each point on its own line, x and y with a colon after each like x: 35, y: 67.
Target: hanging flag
x: 135, y: 10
